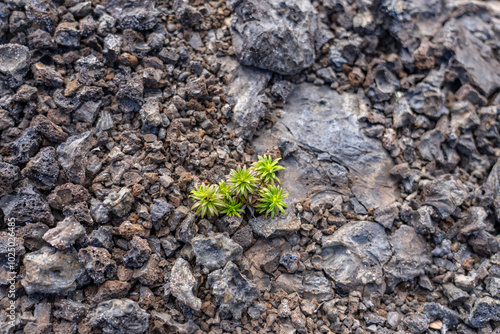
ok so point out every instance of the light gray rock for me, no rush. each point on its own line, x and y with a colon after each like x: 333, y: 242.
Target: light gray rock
x: 14, y: 62
x: 353, y: 257
x: 43, y: 169
x: 119, y: 316
x: 411, y: 256
x: 245, y: 94
x: 65, y: 233
x: 120, y: 203
x: 140, y: 15
x: 51, y: 271
x: 279, y: 36
x: 273, y: 227
x: 387, y: 214
x: 72, y: 156
x: 444, y: 194
x: 233, y: 292
x: 172, y: 326
x: 215, y: 251
x: 184, y: 285
x: 319, y: 121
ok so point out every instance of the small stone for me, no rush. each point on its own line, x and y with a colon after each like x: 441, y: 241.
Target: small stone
x: 102, y: 237
x: 466, y: 283
x: 456, y: 296
x: 435, y: 311
x: 65, y: 233
x: 120, y: 203
x: 51, y: 271
x: 9, y: 175
x: 387, y: 214
x: 416, y: 323
x: 49, y: 130
x: 43, y: 169
x: 169, y: 245
x: 14, y: 61
x: 184, y: 284
x: 111, y: 290
x: 290, y: 259
x: 444, y: 194
x: 215, y: 251
x: 485, y: 309
x: 98, y: 262
x: 494, y: 287
x: 187, y: 229
x: 438, y: 324
x: 149, y: 274
x: 72, y: 156
x: 233, y: 292
x: 119, y: 316
x: 66, y: 195
x: 67, y: 34
x: 70, y: 310
x: 47, y: 76
x: 138, y: 253
x: 277, y: 226
x: 24, y: 147
x: 394, y: 319
x: 134, y: 15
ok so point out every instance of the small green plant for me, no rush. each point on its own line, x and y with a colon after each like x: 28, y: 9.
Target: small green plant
x: 254, y: 187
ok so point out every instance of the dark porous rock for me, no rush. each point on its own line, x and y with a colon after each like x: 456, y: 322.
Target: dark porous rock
x: 215, y: 251
x: 233, y: 292
x: 67, y: 34
x: 119, y: 316
x: 24, y: 147
x: 27, y: 206
x: 102, y: 237
x: 133, y: 89
x: 98, y: 262
x: 290, y: 259
x: 25, y: 94
x: 47, y: 76
x: 43, y: 13
x: 383, y: 83
x: 444, y: 194
x: 353, y: 257
x: 485, y: 309
x: 473, y: 59
x: 429, y: 146
x: 87, y: 112
x: 279, y: 37
x: 228, y: 224
x: 265, y: 254
x: 131, y: 14
x: 66, y: 195
x: 246, y: 95
x: 435, y: 311
x: 280, y: 225
x: 79, y: 211
x: 164, y: 323
x: 320, y: 121
x: 149, y: 274
x: 484, y: 243
x: 411, y: 256
x: 9, y: 175
x: 421, y: 220
x: 416, y: 323
x: 244, y: 236
x: 50, y: 271
x: 72, y: 156
x: 184, y: 285
x: 70, y: 310
x: 169, y: 245
x: 120, y: 203
x: 14, y: 62
x: 150, y: 113
x: 387, y: 214
x: 187, y: 15
x: 138, y: 253
x: 43, y: 169
x: 65, y: 234
x: 49, y: 130
x: 32, y: 235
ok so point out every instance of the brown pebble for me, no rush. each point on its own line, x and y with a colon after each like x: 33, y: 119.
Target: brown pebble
x: 436, y: 324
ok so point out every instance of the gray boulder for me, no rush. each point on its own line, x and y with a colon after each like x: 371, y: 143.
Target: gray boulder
x: 274, y: 35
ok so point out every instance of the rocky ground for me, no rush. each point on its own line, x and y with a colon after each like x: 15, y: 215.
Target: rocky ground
x: 386, y: 115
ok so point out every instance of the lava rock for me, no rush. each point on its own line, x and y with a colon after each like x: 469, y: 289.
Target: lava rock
x: 102, y: 237
x: 43, y: 13
x: 187, y: 15
x: 70, y: 310
x: 444, y: 194
x: 9, y: 175
x: 32, y: 234
x: 65, y: 233
x: 279, y: 37
x: 24, y: 147
x: 27, y: 206
x: 66, y: 195
x: 149, y: 274
x: 411, y: 256
x: 67, y: 34
x: 49, y: 130
x: 138, y: 253
x: 416, y: 322
x: 485, y: 309
x: 387, y: 214
x: 14, y: 62
x: 119, y: 316
x: 47, y: 76
x: 435, y: 311
x: 50, y: 271
x: 119, y: 203
x: 132, y: 14
x: 43, y: 169
x: 184, y: 285
x: 98, y: 262
x: 169, y: 245
x: 215, y: 251
x: 455, y: 296
x: 233, y: 292
x: 277, y: 226
x: 72, y: 156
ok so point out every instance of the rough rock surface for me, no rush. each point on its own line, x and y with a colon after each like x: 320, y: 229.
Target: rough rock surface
x: 274, y: 227
x: 184, y: 284
x: 215, y: 251
x: 51, y: 271
x: 119, y: 316
x: 274, y: 35
x: 64, y: 234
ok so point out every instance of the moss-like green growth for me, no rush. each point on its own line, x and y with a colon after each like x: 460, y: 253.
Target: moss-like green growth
x: 253, y: 187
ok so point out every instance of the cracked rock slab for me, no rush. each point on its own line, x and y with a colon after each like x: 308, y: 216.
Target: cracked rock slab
x: 274, y: 227
x: 215, y: 251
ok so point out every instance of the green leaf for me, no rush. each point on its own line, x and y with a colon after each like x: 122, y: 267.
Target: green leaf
x: 271, y: 200
x: 266, y: 169
x: 208, y: 200
x: 243, y: 182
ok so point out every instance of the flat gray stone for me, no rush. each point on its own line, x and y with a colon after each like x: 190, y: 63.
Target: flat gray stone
x: 273, y: 227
